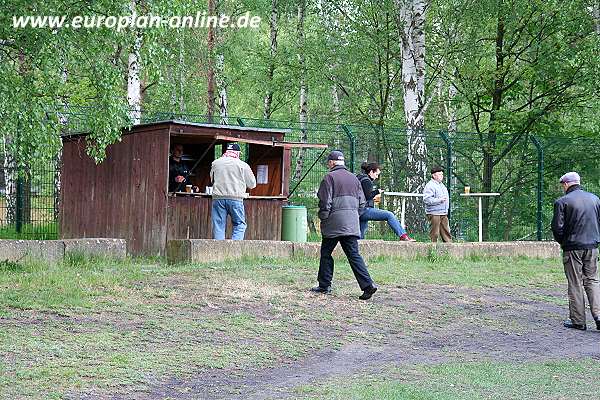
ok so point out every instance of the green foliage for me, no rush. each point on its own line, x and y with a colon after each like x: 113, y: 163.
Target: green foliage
x: 43, y: 70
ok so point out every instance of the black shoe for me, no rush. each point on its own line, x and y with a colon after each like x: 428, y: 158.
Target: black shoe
x: 597, y: 324
x: 322, y: 290
x: 571, y: 325
x: 368, y: 292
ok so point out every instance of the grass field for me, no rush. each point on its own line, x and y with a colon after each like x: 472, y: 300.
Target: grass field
x: 438, y: 328
x: 42, y: 225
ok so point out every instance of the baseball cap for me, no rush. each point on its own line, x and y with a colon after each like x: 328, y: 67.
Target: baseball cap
x: 335, y: 155
x: 570, y: 177
x: 234, y: 147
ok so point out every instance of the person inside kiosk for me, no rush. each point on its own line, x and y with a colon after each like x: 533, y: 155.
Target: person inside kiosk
x: 179, y: 172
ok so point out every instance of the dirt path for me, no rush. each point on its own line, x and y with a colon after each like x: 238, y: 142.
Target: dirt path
x: 500, y: 324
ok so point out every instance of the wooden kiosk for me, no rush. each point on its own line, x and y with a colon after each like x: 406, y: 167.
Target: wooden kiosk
x: 126, y: 196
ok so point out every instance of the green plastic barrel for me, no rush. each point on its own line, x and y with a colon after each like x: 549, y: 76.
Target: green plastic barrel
x: 293, y: 224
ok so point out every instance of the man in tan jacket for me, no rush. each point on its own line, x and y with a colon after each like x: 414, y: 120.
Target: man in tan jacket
x: 231, y: 178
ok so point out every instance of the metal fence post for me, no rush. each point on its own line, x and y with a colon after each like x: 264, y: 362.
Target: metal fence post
x: 446, y: 140
x: 352, y: 140
x: 19, y: 204
x: 540, y: 186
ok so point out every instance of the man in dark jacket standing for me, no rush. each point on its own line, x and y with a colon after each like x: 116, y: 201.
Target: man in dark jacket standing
x: 341, y: 200
x: 576, y: 226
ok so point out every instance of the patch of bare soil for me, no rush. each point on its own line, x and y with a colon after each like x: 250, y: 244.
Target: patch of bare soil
x: 441, y: 324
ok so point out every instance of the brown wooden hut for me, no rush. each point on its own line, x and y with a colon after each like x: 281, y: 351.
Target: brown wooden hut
x: 126, y: 196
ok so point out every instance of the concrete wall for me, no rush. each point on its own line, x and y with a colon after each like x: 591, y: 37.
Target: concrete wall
x: 55, y: 250
x: 207, y: 250
x: 204, y: 250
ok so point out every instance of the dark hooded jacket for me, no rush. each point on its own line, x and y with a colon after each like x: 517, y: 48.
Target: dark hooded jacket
x: 576, y: 221
x: 341, y: 201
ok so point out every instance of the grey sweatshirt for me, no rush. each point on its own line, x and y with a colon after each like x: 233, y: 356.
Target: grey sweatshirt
x: 231, y: 177
x: 432, y: 197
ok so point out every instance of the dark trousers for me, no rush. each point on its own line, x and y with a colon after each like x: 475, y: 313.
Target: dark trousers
x: 350, y: 247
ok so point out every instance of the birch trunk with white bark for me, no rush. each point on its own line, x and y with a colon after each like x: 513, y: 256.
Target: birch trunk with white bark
x: 64, y: 122
x: 411, y: 27
x: 222, y: 87
x: 10, y: 182
x: 217, y: 58
x: 210, y: 73
x: 134, y: 89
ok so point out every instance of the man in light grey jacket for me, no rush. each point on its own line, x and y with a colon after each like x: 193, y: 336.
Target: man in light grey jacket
x: 436, y: 198
x: 231, y: 177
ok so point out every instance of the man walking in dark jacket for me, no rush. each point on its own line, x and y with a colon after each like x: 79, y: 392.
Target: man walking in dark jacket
x: 341, y: 200
x: 576, y: 226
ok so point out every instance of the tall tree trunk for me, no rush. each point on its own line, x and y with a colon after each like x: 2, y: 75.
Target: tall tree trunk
x: 210, y: 109
x: 222, y: 86
x: 220, y: 78
x: 10, y: 181
x: 451, y: 109
x: 134, y: 90
x: 303, y: 89
x: 10, y: 162
x: 272, y: 54
x: 64, y: 123
x: 411, y: 26
x: 335, y: 100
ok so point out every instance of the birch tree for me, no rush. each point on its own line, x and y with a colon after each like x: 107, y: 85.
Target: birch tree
x: 210, y: 74
x: 411, y: 28
x: 220, y: 77
x: 134, y: 89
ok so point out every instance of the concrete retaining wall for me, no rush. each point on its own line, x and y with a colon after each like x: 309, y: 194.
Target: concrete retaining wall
x: 204, y: 250
x: 55, y: 250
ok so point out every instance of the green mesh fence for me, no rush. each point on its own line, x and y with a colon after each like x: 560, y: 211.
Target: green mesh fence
x: 522, y: 169
x: 29, y: 201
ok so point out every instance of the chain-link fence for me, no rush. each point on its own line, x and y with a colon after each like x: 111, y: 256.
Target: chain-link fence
x: 521, y: 169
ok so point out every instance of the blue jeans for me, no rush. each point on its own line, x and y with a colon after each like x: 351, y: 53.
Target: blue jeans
x: 220, y: 209
x: 375, y: 214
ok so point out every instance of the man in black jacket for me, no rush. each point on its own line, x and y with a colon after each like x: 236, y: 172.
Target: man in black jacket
x: 576, y: 226
x: 341, y: 200
x: 178, y: 170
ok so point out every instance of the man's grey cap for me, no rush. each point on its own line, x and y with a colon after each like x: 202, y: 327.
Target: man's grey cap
x: 570, y: 177
x: 336, y: 155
